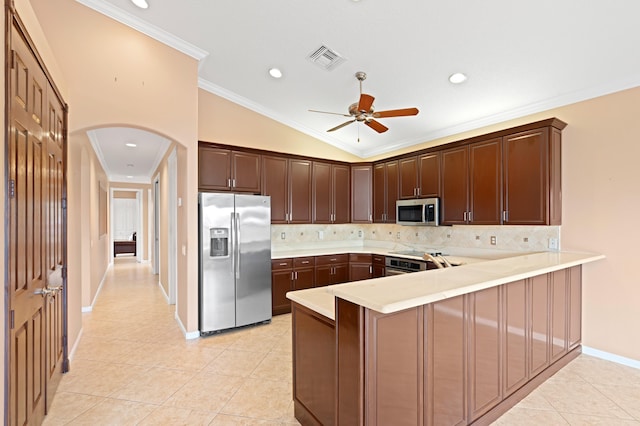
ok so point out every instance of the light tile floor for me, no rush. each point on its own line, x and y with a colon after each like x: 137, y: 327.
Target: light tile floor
x: 134, y: 367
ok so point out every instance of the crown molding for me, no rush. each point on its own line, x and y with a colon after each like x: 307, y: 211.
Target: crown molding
x: 152, y: 31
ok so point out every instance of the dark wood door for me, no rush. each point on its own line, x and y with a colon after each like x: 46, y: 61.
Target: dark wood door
x: 281, y: 283
x: 360, y: 271
x: 275, y: 184
x: 214, y: 169
x: 322, y: 194
x: 485, y: 183
x: 429, y: 175
x: 455, y: 186
x: 245, y: 172
x: 299, y: 191
x: 379, y: 192
x: 391, y: 187
x: 408, y: 177
x: 340, y: 184
x: 361, y: 195
x: 304, y: 278
x: 324, y: 275
x: 35, y: 233
x: 526, y: 173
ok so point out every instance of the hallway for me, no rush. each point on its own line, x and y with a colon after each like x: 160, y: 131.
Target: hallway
x: 134, y: 367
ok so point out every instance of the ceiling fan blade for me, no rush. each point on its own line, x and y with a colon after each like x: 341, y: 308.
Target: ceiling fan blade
x: 378, y: 127
x: 341, y: 126
x: 365, y: 102
x: 327, y: 112
x: 396, y: 112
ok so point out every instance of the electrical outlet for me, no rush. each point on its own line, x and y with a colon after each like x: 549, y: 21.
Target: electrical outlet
x: 553, y: 243
x: 283, y: 235
x: 321, y: 235
x: 493, y: 240
x: 398, y: 235
x: 360, y: 234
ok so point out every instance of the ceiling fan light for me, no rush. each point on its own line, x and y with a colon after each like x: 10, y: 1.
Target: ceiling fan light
x: 457, y: 78
x: 142, y: 4
x: 275, y: 73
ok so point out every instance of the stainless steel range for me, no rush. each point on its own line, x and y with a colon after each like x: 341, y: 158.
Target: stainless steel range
x: 403, y: 265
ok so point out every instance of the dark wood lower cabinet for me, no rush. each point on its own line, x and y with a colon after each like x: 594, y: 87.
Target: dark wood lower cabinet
x: 458, y: 361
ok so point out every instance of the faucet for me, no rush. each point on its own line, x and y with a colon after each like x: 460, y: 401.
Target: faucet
x: 436, y: 262
x: 445, y: 261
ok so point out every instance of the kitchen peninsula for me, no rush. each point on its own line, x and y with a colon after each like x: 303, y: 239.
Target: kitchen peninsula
x: 448, y: 346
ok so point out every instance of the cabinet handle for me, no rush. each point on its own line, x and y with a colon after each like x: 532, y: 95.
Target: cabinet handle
x: 464, y: 216
x: 229, y: 182
x: 282, y: 264
x: 234, y: 183
x: 418, y: 191
x: 469, y: 215
x: 370, y: 218
x: 305, y: 261
x: 296, y: 275
x: 504, y: 215
x: 292, y: 276
x: 370, y: 269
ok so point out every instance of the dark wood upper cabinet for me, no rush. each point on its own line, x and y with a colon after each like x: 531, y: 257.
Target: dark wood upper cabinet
x: 485, y: 182
x: 471, y: 184
x: 331, y: 195
x: 361, y: 195
x: 385, y: 191
x: 408, y: 183
x: 227, y: 170
x: 455, y: 186
x: 275, y: 183
x: 299, y: 191
x: 288, y: 182
x: 532, y: 181
x: 429, y: 175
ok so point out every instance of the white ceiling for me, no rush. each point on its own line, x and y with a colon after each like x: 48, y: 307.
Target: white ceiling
x: 123, y: 163
x: 520, y: 57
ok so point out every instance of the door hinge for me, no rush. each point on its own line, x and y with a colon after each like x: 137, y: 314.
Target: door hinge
x: 12, y: 188
x: 64, y: 272
x: 64, y: 341
x: 12, y: 319
x: 64, y: 204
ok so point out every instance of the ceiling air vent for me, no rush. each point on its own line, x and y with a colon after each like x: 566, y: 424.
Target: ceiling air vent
x: 326, y: 58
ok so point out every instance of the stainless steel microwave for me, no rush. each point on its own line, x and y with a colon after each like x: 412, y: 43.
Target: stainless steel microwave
x: 422, y: 211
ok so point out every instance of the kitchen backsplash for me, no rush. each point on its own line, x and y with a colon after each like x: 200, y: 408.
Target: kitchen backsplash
x: 511, y: 238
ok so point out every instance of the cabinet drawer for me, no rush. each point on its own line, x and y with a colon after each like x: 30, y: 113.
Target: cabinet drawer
x: 277, y: 264
x: 377, y: 259
x: 304, y: 262
x: 360, y: 258
x: 332, y: 259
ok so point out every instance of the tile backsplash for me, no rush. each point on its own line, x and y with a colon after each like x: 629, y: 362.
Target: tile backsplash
x: 511, y: 238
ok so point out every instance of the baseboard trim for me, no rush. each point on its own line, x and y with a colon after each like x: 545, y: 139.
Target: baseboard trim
x: 95, y: 298
x: 166, y: 297
x: 72, y: 352
x: 188, y: 335
x: 611, y: 357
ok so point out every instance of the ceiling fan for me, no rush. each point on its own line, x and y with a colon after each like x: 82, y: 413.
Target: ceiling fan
x: 363, y: 111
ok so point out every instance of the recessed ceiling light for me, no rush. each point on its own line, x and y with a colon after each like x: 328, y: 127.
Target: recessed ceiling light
x: 457, y: 78
x: 131, y: 144
x: 129, y: 177
x: 275, y: 73
x: 142, y: 4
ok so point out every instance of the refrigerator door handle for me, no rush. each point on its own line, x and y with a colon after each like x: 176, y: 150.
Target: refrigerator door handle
x: 236, y: 217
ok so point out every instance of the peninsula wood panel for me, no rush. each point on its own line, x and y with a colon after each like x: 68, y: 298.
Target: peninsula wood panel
x: 516, y: 336
x: 575, y: 307
x: 559, y: 314
x: 539, y: 324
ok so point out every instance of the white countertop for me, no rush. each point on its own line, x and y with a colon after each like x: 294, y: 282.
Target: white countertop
x: 395, y: 293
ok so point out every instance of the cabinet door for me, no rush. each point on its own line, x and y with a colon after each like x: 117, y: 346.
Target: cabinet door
x: 455, y: 186
x: 214, y: 169
x: 324, y: 275
x: 526, y: 177
x: 485, y: 191
x: 304, y: 278
x: 429, y: 175
x: 360, y: 271
x: 299, y: 191
x: 322, y: 201
x: 392, y: 191
x: 274, y: 183
x: 559, y: 311
x: 245, y: 172
x: 361, y: 197
x: 408, y: 177
x: 378, y: 271
x: 539, y: 324
x: 340, y: 182
x: 340, y: 274
x: 281, y: 283
x: 379, y: 192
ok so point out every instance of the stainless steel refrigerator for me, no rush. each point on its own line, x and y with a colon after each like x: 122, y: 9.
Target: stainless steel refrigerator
x: 235, y: 261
